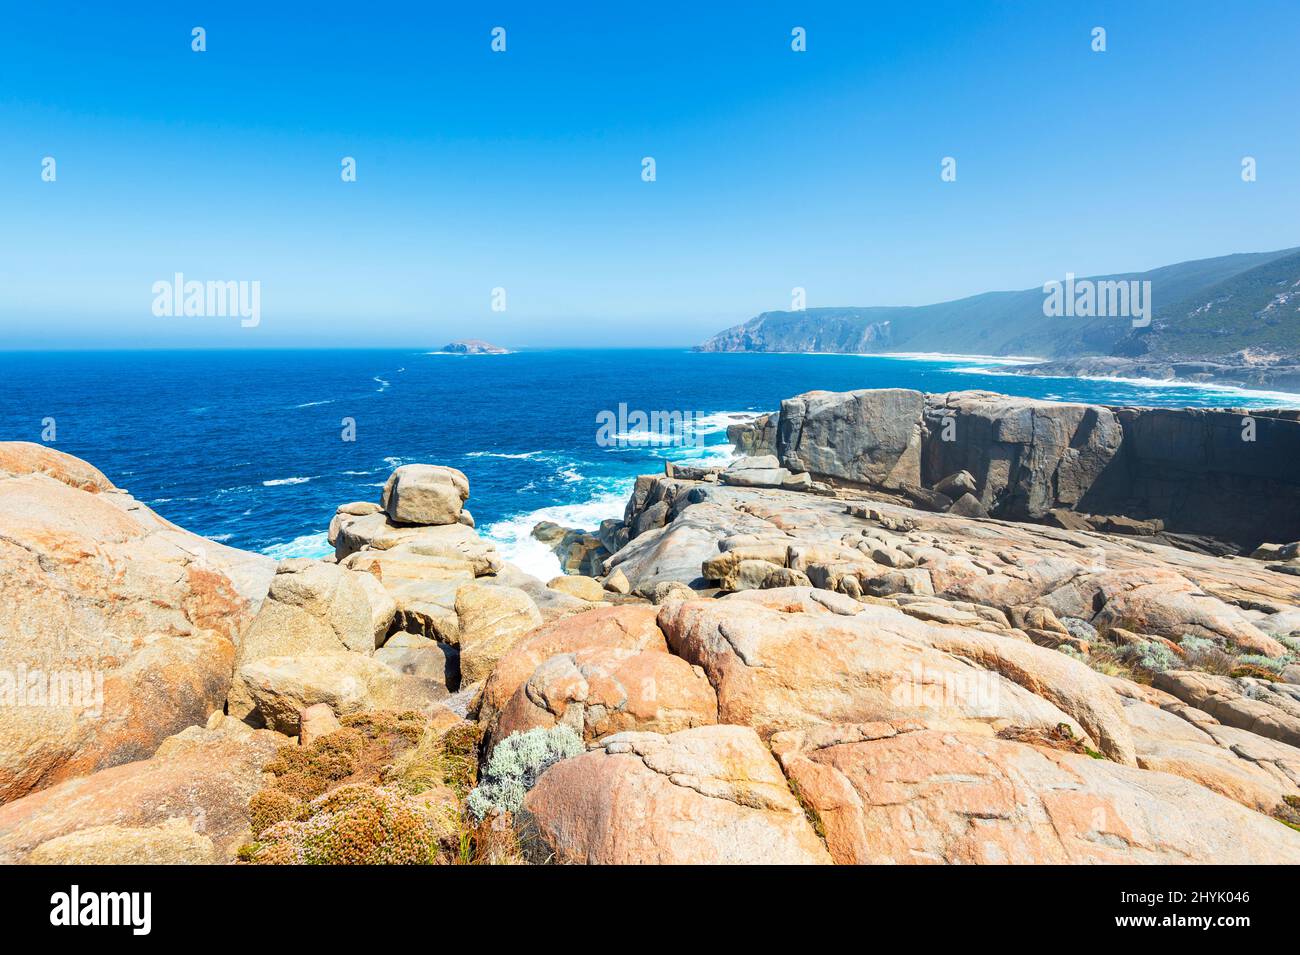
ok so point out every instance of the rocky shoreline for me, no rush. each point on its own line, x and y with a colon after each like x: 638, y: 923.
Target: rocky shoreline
x: 898, y: 628
x: 1274, y: 373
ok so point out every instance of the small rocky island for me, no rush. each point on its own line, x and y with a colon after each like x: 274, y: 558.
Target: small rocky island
x: 897, y: 628
x: 473, y: 346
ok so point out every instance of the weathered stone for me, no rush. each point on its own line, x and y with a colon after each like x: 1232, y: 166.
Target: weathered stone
x: 425, y: 494
x: 776, y: 671
x: 1265, y: 709
x: 968, y: 505
x: 419, y: 656
x: 313, y: 608
x: 117, y: 628
x: 1168, y: 605
x: 316, y: 721
x: 957, y: 485
x: 174, y: 842
x: 1026, y: 456
x: 863, y: 437
x: 891, y: 793
x: 584, y: 588
x: 204, y: 776
x: 631, y: 628
x: 601, y: 690
x: 492, y: 620
x: 282, y: 687
x: 711, y: 795
x: 1168, y: 743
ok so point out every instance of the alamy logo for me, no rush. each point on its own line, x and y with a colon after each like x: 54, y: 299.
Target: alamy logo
x: 639, y: 429
x: 103, y: 908
x: 1089, y: 298
x: 78, y: 690
x: 194, y: 299
x: 921, y: 687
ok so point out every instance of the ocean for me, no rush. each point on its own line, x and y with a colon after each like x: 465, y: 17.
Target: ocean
x: 248, y: 447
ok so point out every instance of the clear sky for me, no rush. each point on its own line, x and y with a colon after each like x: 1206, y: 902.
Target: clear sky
x: 522, y: 169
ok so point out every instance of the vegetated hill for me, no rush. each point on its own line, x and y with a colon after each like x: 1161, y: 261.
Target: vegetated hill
x: 1258, y: 309
x: 1013, y: 323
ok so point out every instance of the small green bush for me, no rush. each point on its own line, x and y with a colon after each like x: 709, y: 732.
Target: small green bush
x: 1151, y: 656
x: 515, y: 764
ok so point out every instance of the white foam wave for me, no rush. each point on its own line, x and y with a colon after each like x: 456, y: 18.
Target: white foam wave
x: 963, y: 359
x: 289, y: 480
x: 712, y: 456
x: 719, y: 420
x: 524, y: 456
x: 315, y: 544
x: 514, y: 535
x: 313, y: 404
x: 1238, y: 396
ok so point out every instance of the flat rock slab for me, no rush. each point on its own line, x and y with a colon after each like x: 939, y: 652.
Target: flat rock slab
x: 712, y: 795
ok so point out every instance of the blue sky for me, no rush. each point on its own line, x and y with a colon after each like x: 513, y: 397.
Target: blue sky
x: 522, y: 170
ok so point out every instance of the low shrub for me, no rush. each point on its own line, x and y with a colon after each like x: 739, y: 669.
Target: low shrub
x: 514, y: 766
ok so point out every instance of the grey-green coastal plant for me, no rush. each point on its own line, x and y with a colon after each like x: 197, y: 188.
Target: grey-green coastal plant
x: 515, y: 764
x: 1272, y: 664
x: 1151, y: 656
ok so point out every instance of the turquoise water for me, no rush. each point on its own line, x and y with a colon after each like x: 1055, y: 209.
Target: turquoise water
x: 247, y: 447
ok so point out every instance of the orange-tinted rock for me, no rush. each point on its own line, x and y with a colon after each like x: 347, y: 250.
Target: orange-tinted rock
x: 775, y: 671
x: 628, y: 627
x: 203, y: 776
x: 23, y: 457
x: 708, y: 795
x: 894, y: 793
x: 602, y: 690
x: 117, y: 629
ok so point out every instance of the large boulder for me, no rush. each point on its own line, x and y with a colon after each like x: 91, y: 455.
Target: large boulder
x: 584, y: 588
x: 198, y: 781
x: 1026, y: 456
x: 282, y: 687
x: 710, y: 795
x: 630, y: 627
x: 1265, y: 708
x: 1169, y: 605
x: 1168, y: 743
x: 377, y: 532
x: 312, y: 608
x: 775, y: 671
x: 677, y: 551
x: 601, y: 690
x: 117, y: 628
x: 491, y: 621
x: 760, y: 471
x: 173, y: 842
x: 868, y: 437
x: 901, y: 793
x: 419, y: 656
x: 754, y: 437
x: 425, y: 494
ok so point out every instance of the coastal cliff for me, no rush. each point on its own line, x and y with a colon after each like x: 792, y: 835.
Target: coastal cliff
x: 1228, y: 320
x: 1190, y: 472
x: 892, y: 611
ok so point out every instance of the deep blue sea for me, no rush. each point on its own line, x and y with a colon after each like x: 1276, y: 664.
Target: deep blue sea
x: 245, y: 447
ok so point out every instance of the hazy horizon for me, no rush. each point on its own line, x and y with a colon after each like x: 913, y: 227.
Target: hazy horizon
x: 522, y: 170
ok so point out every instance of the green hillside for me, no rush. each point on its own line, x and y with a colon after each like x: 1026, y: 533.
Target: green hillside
x: 1235, y: 287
